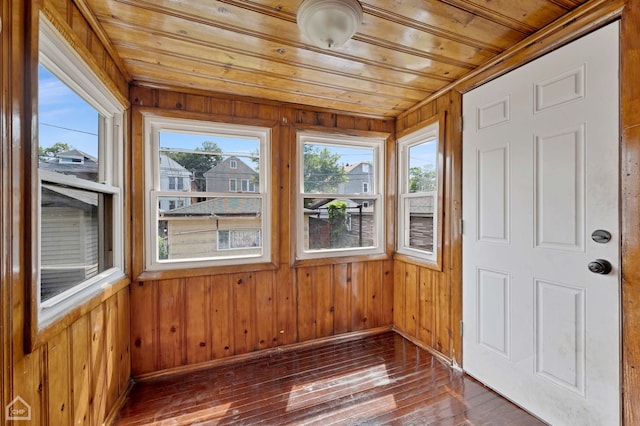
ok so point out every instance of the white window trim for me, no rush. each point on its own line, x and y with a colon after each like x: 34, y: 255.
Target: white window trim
x: 377, y: 144
x: 154, y: 124
x: 59, y: 57
x: 233, y: 164
x: 365, y: 187
x: 425, y: 134
x: 234, y: 187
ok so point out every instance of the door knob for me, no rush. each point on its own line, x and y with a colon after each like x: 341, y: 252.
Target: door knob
x: 600, y: 266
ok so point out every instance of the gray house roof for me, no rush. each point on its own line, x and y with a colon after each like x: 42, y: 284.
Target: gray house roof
x: 227, y: 206
x: 169, y: 166
x: 73, y: 162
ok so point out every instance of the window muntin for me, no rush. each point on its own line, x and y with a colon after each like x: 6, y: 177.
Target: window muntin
x: 218, y: 160
x: 418, y: 209
x: 80, y: 139
x: 340, y: 205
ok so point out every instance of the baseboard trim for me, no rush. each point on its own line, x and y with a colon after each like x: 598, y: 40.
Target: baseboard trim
x: 117, y: 406
x: 440, y: 356
x: 262, y: 353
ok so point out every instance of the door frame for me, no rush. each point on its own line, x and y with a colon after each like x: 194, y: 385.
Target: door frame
x: 588, y: 17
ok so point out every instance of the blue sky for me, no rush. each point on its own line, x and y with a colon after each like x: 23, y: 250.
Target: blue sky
x: 193, y: 141
x: 423, y: 154
x: 65, y: 117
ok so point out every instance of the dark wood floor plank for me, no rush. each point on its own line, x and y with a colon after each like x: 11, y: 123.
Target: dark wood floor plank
x: 382, y: 379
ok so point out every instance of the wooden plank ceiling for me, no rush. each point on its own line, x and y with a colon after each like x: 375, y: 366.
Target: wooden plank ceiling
x: 404, y: 51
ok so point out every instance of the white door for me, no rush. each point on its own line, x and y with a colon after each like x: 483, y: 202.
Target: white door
x: 540, y: 175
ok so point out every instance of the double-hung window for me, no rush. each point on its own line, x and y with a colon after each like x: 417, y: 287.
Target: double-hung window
x: 80, y: 140
x: 214, y: 220
x: 340, y: 205
x: 419, y: 180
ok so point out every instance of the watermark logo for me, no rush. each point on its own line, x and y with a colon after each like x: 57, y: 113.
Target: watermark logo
x: 18, y: 409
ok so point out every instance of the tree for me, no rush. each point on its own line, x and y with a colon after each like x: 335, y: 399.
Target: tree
x: 322, y: 173
x: 422, y: 179
x: 50, y: 152
x: 337, y: 210
x: 198, y: 164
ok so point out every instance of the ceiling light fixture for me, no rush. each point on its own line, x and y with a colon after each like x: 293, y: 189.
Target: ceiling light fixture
x: 329, y: 24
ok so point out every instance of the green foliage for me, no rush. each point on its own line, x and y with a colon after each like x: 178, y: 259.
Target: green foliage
x: 422, y: 179
x: 338, y: 222
x: 163, y: 248
x: 50, y: 152
x: 322, y: 173
x: 198, y: 164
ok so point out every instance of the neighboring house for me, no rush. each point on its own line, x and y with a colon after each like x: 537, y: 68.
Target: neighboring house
x: 216, y: 227
x: 73, y: 162
x: 232, y: 175
x: 69, y: 225
x: 174, y: 177
x: 69, y: 238
x: 359, y: 179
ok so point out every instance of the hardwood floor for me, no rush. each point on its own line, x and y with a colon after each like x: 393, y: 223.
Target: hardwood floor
x: 382, y: 379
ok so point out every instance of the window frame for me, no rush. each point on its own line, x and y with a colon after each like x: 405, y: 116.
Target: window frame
x: 377, y: 145
x: 432, y: 130
x: 61, y: 60
x: 153, y: 124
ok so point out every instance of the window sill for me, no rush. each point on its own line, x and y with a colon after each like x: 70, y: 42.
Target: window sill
x: 86, y: 301
x: 301, y: 263
x: 429, y: 264
x: 168, y: 274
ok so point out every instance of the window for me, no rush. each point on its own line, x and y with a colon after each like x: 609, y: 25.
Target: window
x: 418, y: 206
x: 80, y: 139
x: 334, y: 217
x: 238, y: 239
x: 216, y: 224
x: 248, y: 186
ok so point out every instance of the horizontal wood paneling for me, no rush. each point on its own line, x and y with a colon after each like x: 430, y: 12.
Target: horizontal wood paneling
x: 182, y: 318
x: 402, y: 53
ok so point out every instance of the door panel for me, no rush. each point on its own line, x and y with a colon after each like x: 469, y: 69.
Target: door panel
x: 540, y: 155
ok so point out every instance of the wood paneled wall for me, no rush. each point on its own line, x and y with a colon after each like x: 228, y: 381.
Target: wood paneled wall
x: 428, y: 301
x: 81, y: 364
x: 188, y: 317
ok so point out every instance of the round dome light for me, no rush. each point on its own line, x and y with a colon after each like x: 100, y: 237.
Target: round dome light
x: 329, y: 24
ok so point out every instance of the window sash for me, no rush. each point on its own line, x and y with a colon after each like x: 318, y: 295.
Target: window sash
x: 153, y: 125
x: 427, y: 134
x: 376, y: 145
x: 63, y: 61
